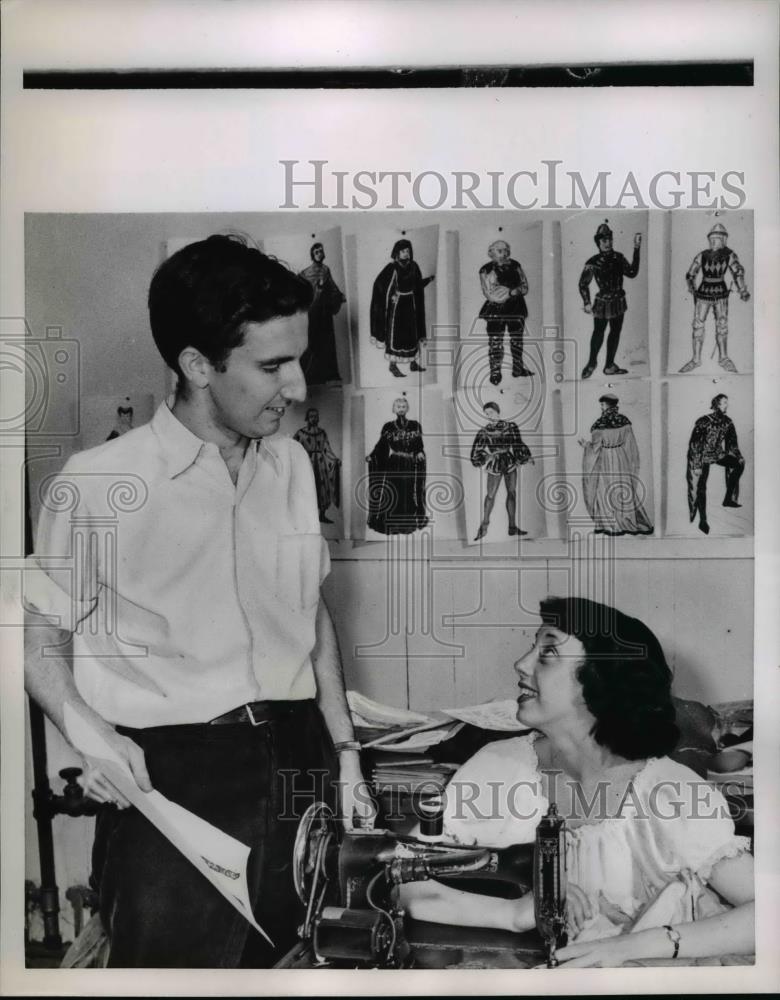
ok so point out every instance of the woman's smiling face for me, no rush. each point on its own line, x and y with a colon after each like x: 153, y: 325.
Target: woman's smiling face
x: 549, y: 689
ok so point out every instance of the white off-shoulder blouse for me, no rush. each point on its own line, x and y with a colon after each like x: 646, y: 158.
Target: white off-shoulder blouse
x: 645, y: 865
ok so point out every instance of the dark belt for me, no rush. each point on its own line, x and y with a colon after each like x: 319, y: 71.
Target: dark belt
x: 256, y: 713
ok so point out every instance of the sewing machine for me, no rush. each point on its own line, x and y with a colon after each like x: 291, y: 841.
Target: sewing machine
x: 347, y: 882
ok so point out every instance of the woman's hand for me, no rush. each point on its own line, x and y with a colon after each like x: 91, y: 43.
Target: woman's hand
x: 579, y: 909
x: 608, y: 952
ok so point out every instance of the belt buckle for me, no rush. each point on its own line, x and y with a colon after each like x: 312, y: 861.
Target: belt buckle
x: 253, y: 721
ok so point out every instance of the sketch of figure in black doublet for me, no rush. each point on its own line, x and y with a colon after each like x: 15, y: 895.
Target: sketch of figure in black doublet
x: 396, y: 476
x: 504, y: 286
x: 713, y: 442
x: 608, y: 268
x: 325, y: 463
x: 610, y: 474
x: 320, y: 363
x: 500, y: 451
x: 712, y: 292
x: 398, y: 309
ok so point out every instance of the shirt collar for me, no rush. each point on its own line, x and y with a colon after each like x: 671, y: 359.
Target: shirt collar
x: 182, y: 448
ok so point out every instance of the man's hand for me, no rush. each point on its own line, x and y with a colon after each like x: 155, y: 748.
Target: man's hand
x: 357, y: 806
x: 588, y: 308
x: 637, y: 239
x: 744, y: 295
x: 95, y: 783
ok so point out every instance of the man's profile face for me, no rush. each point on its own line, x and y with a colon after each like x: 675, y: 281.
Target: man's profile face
x: 313, y: 416
x: 500, y: 253
x: 261, y: 378
x: 318, y: 255
x: 605, y: 244
x: 722, y: 404
x: 405, y: 255
x: 491, y: 416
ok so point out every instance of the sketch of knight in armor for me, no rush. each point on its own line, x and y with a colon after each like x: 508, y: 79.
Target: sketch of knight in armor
x: 397, y: 472
x: 500, y: 451
x: 504, y: 286
x: 398, y: 309
x: 713, y: 292
x: 320, y: 363
x: 713, y: 442
x: 325, y: 464
x: 610, y: 467
x: 608, y: 268
x: 124, y: 420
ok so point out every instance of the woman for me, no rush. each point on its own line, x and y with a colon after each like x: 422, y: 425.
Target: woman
x: 654, y: 868
x: 610, y: 466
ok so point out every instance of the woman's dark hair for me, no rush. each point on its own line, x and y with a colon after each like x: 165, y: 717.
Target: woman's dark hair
x: 626, y: 681
x: 204, y: 294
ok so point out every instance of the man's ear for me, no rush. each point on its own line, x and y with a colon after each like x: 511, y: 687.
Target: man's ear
x: 195, y: 367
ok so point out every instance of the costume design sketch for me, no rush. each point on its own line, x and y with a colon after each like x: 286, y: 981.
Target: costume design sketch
x: 610, y: 466
x: 500, y: 450
x: 504, y: 286
x: 320, y: 362
x: 397, y: 470
x: 398, y: 309
x: 325, y: 464
x: 608, y: 267
x: 712, y: 292
x: 124, y: 420
x: 713, y: 442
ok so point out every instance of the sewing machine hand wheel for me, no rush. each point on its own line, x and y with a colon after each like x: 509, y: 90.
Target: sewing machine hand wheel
x: 317, y: 831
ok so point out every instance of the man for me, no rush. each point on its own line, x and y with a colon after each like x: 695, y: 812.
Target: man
x: 325, y: 463
x: 398, y: 309
x: 504, y: 286
x: 202, y: 653
x: 713, y: 442
x: 608, y: 267
x: 712, y: 292
x: 499, y: 450
x: 320, y: 362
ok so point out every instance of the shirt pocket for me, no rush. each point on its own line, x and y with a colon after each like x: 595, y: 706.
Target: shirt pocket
x: 298, y: 561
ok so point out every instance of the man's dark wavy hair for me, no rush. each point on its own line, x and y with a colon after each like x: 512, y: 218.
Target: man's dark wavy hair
x: 626, y: 681
x: 203, y: 295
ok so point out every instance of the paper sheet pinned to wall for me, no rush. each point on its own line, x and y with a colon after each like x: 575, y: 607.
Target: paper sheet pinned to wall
x: 219, y: 857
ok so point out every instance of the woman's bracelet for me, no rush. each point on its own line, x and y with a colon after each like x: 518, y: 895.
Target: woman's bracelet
x: 344, y: 745
x: 674, y: 937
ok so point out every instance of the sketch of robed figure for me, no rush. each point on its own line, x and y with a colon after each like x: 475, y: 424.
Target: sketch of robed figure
x: 713, y: 442
x: 611, y: 483
x: 320, y: 362
x: 397, y: 472
x: 398, y: 309
x: 325, y: 464
x: 124, y: 420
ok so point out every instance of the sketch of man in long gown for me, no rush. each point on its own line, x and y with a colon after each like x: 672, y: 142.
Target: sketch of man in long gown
x: 500, y: 450
x: 325, y: 463
x: 398, y: 309
x: 397, y: 472
x: 610, y: 465
x: 320, y: 362
x: 713, y: 442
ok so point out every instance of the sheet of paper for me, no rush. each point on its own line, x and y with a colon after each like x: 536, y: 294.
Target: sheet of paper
x: 219, y: 857
x: 493, y: 715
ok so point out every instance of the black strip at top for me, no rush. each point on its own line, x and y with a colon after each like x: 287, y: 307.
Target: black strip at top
x: 690, y: 74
